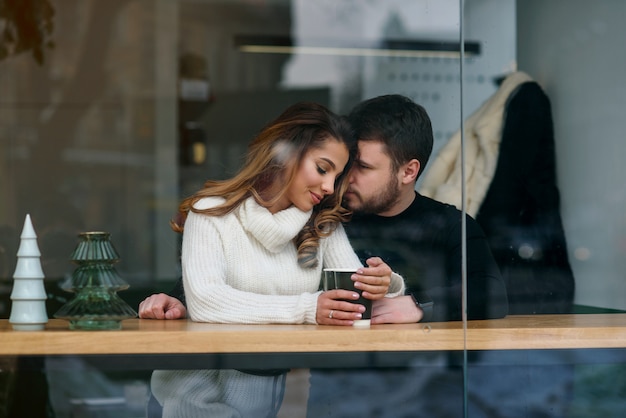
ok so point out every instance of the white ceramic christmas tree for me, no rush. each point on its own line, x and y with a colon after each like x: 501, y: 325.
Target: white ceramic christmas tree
x: 28, y: 310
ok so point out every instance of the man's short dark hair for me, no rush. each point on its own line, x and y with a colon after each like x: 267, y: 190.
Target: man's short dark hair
x: 401, y: 124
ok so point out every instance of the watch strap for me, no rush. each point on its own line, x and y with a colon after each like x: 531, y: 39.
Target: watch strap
x: 423, y: 301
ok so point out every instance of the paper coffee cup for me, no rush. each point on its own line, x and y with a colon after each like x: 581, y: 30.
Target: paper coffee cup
x: 340, y: 278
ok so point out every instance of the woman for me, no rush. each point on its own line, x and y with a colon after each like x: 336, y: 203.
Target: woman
x: 253, y: 250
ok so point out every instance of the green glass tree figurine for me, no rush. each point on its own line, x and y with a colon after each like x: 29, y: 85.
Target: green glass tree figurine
x: 96, y: 305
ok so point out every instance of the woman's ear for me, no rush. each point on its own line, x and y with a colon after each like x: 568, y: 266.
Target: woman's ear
x: 410, y: 171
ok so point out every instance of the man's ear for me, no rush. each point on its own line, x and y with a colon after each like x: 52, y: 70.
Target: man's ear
x: 409, y: 171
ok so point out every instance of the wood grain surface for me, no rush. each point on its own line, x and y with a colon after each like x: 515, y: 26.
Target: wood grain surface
x: 141, y: 336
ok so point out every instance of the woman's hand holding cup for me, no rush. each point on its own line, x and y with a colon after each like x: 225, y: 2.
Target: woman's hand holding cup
x: 373, y: 280
x: 333, y: 308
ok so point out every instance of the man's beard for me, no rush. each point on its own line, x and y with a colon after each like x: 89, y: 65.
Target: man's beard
x: 381, y: 202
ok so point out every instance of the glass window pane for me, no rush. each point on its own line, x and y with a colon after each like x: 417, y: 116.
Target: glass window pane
x: 553, y: 194
x: 114, y: 110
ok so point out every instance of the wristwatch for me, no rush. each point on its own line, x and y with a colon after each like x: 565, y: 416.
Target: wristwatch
x: 425, y: 303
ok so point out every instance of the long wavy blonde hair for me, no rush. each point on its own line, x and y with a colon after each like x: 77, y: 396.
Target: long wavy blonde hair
x: 273, y: 158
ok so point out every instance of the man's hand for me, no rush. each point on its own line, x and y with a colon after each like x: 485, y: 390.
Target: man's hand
x: 398, y: 310
x: 162, y: 306
x: 373, y: 280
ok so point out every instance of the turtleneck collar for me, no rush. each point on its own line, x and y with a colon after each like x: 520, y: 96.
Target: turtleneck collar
x: 273, y: 231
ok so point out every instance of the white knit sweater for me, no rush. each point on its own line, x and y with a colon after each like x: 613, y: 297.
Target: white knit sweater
x: 242, y: 267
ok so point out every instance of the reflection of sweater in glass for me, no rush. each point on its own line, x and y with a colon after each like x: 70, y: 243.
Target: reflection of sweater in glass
x: 423, y: 244
x: 242, y: 267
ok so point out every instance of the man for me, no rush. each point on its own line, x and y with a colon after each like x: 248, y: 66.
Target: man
x: 418, y: 237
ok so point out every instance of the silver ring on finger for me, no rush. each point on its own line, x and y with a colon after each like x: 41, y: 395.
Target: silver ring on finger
x: 330, y: 314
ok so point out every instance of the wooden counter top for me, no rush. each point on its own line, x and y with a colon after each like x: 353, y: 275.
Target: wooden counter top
x: 170, y: 337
